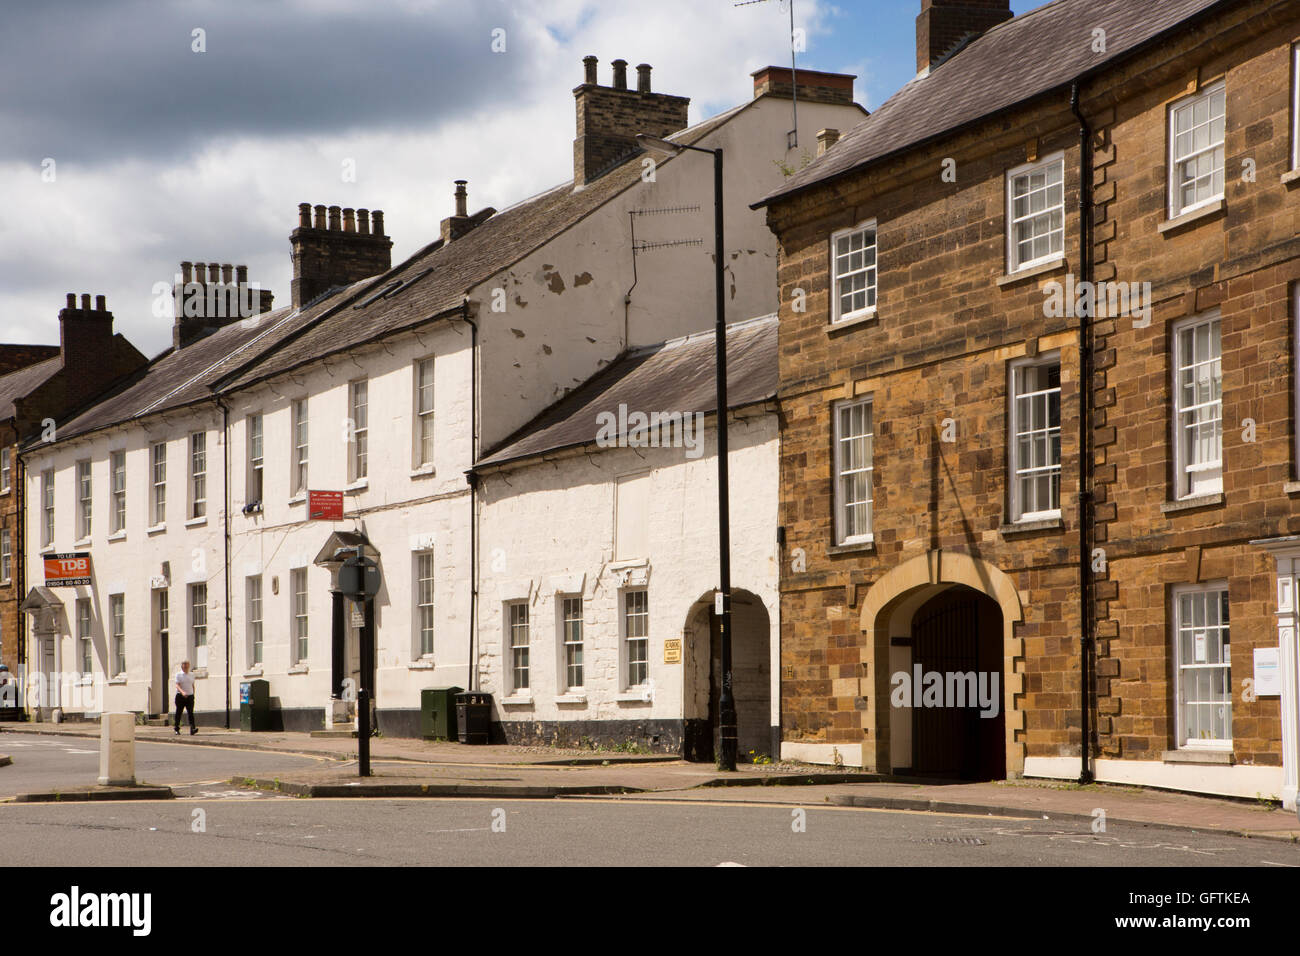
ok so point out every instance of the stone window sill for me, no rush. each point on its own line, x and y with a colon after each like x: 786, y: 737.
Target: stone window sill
x: 853, y: 547
x: 1195, y: 755
x: 1291, y: 178
x: 253, y: 672
x: 844, y: 325
x: 199, y: 673
x: 117, y: 536
x: 420, y: 665
x: 629, y: 697
x: 85, y: 681
x: 571, y: 699
x: 196, y: 522
x: 119, y: 679
x: 1191, y: 504
x: 357, y: 487
x: 81, y: 543
x: 6, y: 582
x: 298, y: 669
x: 1032, y: 272
x: 1026, y: 527
x: 1292, y: 488
x: 156, y: 529
x: 516, y: 701
x: 1201, y: 214
x: 424, y: 471
x: 47, y: 549
x: 297, y: 500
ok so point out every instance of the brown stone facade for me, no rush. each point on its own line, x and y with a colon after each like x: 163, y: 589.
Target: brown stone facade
x: 935, y: 361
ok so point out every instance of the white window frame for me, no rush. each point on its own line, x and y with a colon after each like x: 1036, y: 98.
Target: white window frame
x: 423, y: 417
x: 197, y: 445
x: 1295, y: 106
x: 301, y: 438
x: 47, y: 508
x: 85, y: 499
x: 85, y: 636
x: 1182, y: 471
x: 572, y: 643
x: 628, y: 639
x: 117, y: 636
x: 1054, y: 162
x: 255, y: 480
x: 425, y: 604
x: 872, y: 273
x: 6, y: 469
x: 117, y: 491
x: 359, y: 417
x: 198, y: 630
x: 1206, y: 94
x: 1014, y: 469
x: 6, y: 556
x: 254, y: 612
x: 837, y: 496
x: 1217, y: 589
x: 158, y: 482
x: 299, y: 607
x: 518, y: 621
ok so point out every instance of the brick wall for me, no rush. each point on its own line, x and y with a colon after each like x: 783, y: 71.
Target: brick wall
x: 609, y: 119
x: 14, y: 357
x: 941, y: 26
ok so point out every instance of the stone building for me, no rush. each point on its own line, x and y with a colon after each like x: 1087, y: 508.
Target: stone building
x: 1118, y: 561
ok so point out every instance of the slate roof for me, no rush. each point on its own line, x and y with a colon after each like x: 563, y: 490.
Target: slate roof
x: 434, y: 282
x: 17, y: 384
x: 1043, y: 50
x: 676, y: 376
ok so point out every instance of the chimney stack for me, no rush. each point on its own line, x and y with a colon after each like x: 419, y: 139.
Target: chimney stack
x: 826, y: 138
x: 86, y: 342
x: 609, y: 117
x: 813, y: 85
x: 945, y: 23
x: 217, y: 295
x: 453, y: 227
x: 336, y: 252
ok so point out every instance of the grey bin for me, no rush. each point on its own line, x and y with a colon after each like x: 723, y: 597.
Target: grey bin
x: 438, y: 713
x: 255, y: 705
x: 474, y: 717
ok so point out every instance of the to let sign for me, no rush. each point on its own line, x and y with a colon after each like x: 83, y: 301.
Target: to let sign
x: 325, y: 505
x: 67, y: 570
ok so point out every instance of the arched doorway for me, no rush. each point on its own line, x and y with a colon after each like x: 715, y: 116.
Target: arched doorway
x: 958, y: 724
x: 751, y: 668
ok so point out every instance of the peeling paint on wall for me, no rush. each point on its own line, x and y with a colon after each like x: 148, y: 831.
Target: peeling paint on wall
x: 582, y: 278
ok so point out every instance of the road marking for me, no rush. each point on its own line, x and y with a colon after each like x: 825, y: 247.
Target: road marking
x: 729, y: 863
x: 1271, y: 863
x: 81, y: 751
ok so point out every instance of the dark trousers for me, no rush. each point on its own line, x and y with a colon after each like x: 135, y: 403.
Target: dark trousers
x: 184, y: 702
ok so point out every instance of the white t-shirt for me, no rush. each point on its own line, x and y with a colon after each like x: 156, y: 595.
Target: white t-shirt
x: 185, y: 683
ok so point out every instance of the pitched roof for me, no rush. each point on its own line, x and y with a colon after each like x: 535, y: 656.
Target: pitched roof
x: 676, y: 376
x: 442, y: 273
x: 17, y: 384
x: 1015, y: 61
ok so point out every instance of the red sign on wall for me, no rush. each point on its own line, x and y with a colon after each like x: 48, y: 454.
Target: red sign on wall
x: 325, y: 505
x: 67, y: 570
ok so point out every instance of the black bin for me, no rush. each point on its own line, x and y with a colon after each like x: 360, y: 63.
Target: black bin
x: 473, y: 717
x: 254, y: 705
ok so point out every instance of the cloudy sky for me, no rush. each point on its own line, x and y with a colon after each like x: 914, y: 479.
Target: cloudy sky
x: 125, y: 150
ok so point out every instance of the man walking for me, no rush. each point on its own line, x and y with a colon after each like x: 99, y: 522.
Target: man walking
x: 185, y: 696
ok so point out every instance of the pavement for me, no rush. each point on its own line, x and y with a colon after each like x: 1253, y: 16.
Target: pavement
x: 404, y: 767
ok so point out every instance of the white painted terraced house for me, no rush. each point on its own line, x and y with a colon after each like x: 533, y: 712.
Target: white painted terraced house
x: 385, y: 383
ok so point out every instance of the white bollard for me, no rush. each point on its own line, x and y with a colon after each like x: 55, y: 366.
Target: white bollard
x: 117, y: 750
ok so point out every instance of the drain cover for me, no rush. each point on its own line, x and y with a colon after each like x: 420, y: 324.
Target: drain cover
x: 953, y: 841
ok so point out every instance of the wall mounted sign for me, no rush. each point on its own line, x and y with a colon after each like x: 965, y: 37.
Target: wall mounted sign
x: 67, y: 570
x: 673, y: 650
x: 325, y: 505
x: 1268, y: 672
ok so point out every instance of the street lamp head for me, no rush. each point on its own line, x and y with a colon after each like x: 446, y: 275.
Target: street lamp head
x: 646, y: 141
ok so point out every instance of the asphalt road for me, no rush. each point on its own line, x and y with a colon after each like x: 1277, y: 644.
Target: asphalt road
x: 246, y: 830
x: 57, y: 762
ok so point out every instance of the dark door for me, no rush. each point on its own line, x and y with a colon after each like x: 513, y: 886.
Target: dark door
x: 959, y: 633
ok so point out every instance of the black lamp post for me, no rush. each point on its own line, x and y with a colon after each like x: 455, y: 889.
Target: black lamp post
x: 722, y: 606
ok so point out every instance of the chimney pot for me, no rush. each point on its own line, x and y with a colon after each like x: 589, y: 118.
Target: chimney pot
x: 608, y: 121
x: 335, y: 214
x: 462, y: 198
x: 187, y: 271
x: 589, y: 70
x: 85, y: 302
x: 214, y: 273
x: 72, y: 300
x: 620, y: 74
x: 826, y: 138
x: 349, y: 220
x: 304, y: 215
x: 377, y: 222
x: 226, y: 270
x: 100, y: 303
x: 320, y: 217
x: 643, y: 78
x: 241, y: 275
x: 352, y: 248
x: 363, y: 221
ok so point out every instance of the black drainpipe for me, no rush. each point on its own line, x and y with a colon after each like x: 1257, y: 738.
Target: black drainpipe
x: 225, y: 521
x: 472, y: 478
x: 1085, y: 444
